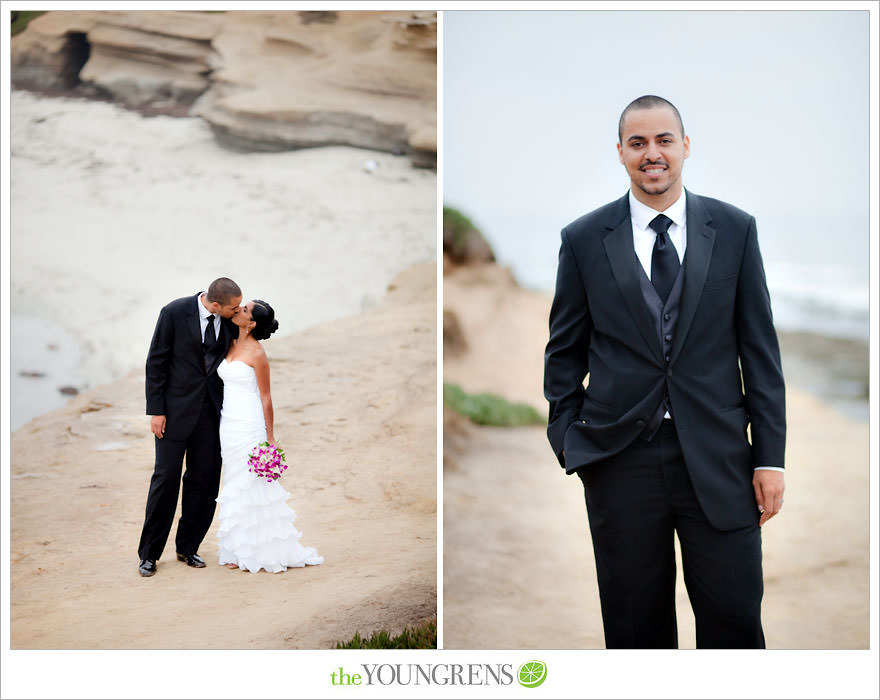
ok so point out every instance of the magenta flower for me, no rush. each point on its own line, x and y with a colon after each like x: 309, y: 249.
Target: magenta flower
x: 267, y: 461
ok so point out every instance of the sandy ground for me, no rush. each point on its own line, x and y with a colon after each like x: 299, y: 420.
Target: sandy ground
x: 355, y: 406
x: 518, y: 563
x: 114, y: 214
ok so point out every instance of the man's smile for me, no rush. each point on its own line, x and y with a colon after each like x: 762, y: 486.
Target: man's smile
x: 653, y: 170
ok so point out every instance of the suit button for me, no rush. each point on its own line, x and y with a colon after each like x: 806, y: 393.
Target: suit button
x: 667, y: 358
x: 640, y: 423
x: 668, y: 338
x: 665, y: 317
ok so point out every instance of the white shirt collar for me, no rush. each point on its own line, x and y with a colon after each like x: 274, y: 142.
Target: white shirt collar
x: 642, y: 214
x: 203, y: 312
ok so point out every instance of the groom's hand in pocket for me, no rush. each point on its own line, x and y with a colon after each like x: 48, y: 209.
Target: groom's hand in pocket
x: 157, y: 426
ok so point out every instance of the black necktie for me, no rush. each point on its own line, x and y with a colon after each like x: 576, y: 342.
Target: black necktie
x: 664, y: 260
x: 210, y: 335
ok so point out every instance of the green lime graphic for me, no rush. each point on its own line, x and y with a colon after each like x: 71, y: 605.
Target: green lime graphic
x: 532, y: 673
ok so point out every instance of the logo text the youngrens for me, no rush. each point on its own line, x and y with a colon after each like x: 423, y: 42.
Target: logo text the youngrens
x: 425, y: 674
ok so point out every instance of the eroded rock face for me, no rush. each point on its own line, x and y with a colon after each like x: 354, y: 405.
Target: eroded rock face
x: 51, y: 52
x: 263, y: 80
x: 144, y: 58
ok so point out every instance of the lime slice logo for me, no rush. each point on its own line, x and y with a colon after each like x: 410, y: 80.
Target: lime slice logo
x: 532, y: 673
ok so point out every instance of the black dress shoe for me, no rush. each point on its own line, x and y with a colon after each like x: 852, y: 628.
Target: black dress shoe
x: 147, y: 567
x: 193, y: 560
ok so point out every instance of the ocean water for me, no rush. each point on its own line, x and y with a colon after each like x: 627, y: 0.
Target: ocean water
x: 829, y: 299
x: 46, y: 361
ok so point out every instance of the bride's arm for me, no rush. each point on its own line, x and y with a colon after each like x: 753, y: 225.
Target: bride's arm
x: 261, y: 366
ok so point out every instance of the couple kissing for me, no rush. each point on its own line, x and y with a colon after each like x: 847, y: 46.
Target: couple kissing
x: 208, y: 395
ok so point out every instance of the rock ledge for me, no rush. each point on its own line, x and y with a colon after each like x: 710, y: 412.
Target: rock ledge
x: 264, y: 81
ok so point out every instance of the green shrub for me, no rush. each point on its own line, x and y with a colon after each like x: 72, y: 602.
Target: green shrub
x: 458, y: 225
x: 20, y: 19
x: 461, y: 239
x: 423, y: 636
x: 489, y: 409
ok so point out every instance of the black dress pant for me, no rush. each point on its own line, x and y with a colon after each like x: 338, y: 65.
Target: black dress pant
x: 201, y: 483
x: 636, y: 502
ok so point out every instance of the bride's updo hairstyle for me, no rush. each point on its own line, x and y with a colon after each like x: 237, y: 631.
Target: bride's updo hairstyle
x: 264, y: 315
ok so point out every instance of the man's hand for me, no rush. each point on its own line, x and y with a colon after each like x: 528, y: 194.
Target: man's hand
x: 157, y: 426
x: 769, y: 486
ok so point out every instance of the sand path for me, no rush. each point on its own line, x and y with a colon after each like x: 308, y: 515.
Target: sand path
x: 355, y: 404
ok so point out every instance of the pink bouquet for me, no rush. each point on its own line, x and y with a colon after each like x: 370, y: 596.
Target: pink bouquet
x: 267, y: 461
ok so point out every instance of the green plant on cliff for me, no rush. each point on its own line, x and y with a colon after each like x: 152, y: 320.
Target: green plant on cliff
x: 458, y: 225
x: 489, y: 409
x: 423, y: 636
x: 20, y: 19
x: 461, y: 239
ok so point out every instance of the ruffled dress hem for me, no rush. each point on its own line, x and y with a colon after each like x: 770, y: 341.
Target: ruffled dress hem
x: 256, y: 529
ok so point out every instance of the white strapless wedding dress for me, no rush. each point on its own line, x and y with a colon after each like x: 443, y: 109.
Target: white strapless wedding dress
x: 256, y: 524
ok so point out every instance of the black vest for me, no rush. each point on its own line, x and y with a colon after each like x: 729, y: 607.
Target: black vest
x: 665, y: 317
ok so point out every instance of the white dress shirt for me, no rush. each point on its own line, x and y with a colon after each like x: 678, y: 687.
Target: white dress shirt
x: 203, y: 318
x: 641, y: 215
x: 644, y: 237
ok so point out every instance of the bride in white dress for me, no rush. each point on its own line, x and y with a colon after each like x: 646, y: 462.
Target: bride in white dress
x: 256, y: 524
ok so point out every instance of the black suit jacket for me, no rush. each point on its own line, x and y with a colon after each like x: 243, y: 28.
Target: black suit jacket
x: 724, y: 371
x: 177, y: 381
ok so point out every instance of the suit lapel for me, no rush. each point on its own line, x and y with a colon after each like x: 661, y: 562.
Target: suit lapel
x: 700, y: 242
x: 623, y: 260
x: 195, y: 328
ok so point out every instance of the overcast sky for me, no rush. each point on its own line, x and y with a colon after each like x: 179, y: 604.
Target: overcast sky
x: 776, y: 105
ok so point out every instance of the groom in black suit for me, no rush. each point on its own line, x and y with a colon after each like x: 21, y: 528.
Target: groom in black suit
x: 661, y: 300
x: 184, y: 398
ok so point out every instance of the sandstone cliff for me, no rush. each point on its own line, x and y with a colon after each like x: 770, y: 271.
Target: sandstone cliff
x: 263, y: 80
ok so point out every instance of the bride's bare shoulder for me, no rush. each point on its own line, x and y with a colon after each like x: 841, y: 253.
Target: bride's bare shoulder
x: 258, y: 354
